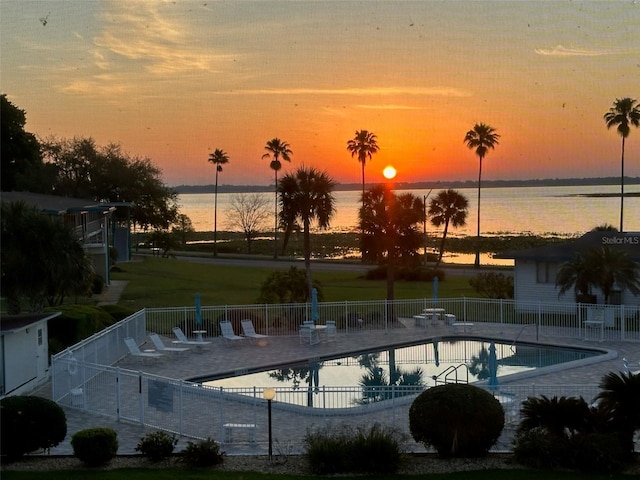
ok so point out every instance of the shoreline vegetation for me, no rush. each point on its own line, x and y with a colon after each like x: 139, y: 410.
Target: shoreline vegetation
x: 345, y: 245
x: 547, y: 182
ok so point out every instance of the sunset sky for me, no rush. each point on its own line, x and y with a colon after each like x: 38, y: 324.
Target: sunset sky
x: 174, y: 80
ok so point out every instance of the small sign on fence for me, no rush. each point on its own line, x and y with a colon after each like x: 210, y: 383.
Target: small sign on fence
x: 160, y: 395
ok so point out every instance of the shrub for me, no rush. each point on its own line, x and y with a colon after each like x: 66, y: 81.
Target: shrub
x: 538, y: 448
x: 203, y: 453
x: 97, y: 285
x: 361, y: 450
x: 157, y: 446
x: 458, y: 420
x: 30, y: 423
x: 597, y: 452
x: 95, y: 446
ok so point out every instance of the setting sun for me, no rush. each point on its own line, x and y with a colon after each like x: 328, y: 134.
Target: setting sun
x: 389, y: 172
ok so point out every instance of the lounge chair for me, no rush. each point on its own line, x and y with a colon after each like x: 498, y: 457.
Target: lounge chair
x: 135, y: 351
x: 227, y: 332
x: 183, y: 340
x: 157, y: 341
x: 249, y: 332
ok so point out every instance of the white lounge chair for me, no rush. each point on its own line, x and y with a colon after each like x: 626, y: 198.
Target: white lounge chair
x: 227, y: 332
x: 160, y: 346
x: 135, y: 351
x: 250, y: 332
x: 183, y: 340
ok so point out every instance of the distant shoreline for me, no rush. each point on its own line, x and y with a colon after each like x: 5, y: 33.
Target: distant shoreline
x: 548, y: 182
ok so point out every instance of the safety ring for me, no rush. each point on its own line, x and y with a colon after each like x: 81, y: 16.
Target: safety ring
x: 72, y: 366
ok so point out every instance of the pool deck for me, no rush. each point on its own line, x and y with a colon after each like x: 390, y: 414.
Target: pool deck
x: 226, y: 357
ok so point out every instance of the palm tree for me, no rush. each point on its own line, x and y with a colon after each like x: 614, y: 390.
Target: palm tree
x: 276, y: 150
x: 218, y: 158
x: 307, y: 195
x: 363, y: 145
x: 601, y: 267
x: 448, y: 207
x: 482, y: 137
x: 620, y: 397
x: 624, y: 113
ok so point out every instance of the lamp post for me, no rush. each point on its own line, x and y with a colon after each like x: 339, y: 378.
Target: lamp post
x: 269, y: 394
x: 389, y: 173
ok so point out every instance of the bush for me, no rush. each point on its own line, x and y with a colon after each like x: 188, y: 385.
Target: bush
x: 157, y: 446
x: 204, y: 453
x: 75, y: 323
x: 538, y: 448
x: 597, y: 452
x: 97, y: 285
x: 30, y: 423
x: 95, y: 446
x: 373, y: 450
x: 458, y: 420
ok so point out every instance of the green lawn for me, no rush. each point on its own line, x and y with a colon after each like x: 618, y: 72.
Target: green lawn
x: 168, y: 282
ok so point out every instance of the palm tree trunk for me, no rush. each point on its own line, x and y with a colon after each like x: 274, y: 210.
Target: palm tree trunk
x: 215, y: 218
x: 622, y: 188
x: 275, y: 214
x: 307, y: 254
x: 477, y: 261
x: 444, y: 236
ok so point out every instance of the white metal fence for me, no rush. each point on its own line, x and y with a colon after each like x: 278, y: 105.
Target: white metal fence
x: 83, y: 376
x: 619, y: 322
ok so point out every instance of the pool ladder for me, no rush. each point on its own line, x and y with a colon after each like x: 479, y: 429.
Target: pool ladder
x: 513, y: 344
x: 452, y: 370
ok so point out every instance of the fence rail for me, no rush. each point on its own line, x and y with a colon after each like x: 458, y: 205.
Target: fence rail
x: 84, y: 375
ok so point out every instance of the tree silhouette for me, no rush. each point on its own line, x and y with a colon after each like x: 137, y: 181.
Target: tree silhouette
x: 276, y: 150
x: 307, y: 195
x: 218, y: 158
x: 482, y: 137
x: 363, y: 145
x: 448, y: 207
x: 624, y: 113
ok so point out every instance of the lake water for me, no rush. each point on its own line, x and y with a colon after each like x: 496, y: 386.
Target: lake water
x: 536, y: 210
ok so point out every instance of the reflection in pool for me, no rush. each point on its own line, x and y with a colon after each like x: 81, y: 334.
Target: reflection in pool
x: 412, y: 367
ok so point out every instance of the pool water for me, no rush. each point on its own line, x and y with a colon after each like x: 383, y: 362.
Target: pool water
x: 420, y: 365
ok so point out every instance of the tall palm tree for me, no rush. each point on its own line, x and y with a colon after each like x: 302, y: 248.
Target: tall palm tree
x: 448, y: 207
x: 307, y: 195
x: 276, y: 150
x: 481, y: 137
x: 624, y: 113
x: 363, y: 145
x: 218, y: 158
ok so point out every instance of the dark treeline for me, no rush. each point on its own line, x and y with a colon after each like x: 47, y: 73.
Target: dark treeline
x: 545, y: 182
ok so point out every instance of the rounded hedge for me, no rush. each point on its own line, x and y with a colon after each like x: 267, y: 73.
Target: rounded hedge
x: 95, y: 446
x: 30, y: 423
x: 458, y: 420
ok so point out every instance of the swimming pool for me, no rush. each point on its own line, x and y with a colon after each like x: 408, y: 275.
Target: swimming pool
x: 369, y: 376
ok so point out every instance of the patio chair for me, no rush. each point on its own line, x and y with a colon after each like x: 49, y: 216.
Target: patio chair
x: 331, y: 332
x: 183, y: 340
x: 249, y: 332
x: 227, y: 332
x: 135, y: 351
x: 308, y: 334
x: 160, y: 346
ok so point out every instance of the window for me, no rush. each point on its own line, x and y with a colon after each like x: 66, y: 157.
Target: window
x: 546, y: 272
x: 40, y: 339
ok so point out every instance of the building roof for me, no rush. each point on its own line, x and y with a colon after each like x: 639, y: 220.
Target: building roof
x: 14, y: 323
x: 58, y: 205
x: 561, y: 252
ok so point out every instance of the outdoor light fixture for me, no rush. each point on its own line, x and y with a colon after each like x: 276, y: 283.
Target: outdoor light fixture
x: 269, y: 394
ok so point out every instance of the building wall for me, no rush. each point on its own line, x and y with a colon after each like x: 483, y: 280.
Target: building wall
x: 24, y: 362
